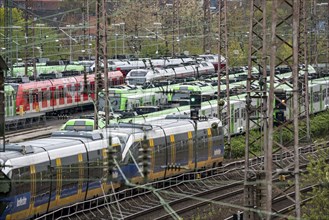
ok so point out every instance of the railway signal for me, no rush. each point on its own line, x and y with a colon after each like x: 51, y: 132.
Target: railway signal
x: 195, y: 100
x: 195, y: 104
x: 280, y: 101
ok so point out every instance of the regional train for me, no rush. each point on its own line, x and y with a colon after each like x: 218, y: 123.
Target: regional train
x: 126, y: 65
x: 70, y: 166
x: 187, y: 70
x: 318, y: 102
x: 46, y: 68
x: 59, y: 95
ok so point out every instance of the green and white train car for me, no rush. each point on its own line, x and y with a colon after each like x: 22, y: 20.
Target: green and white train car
x: 124, y: 98
x: 319, y: 101
x: 43, y: 69
x: 10, y: 101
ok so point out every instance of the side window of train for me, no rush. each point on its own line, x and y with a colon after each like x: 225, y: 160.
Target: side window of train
x: 40, y: 96
x: 48, y: 94
x: 243, y: 113
x: 324, y: 94
x: 66, y: 91
x: 21, y: 177
x: 55, y: 92
x: 70, y: 170
x: 43, y: 98
x: 236, y: 114
x: 77, y: 87
x: 35, y: 96
x: 42, y: 178
x: 316, y: 97
x: 179, y: 139
x: 61, y: 93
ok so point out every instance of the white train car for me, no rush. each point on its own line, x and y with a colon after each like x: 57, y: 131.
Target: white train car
x: 144, y: 76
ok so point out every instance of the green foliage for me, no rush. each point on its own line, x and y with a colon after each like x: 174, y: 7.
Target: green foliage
x: 319, y: 129
x: 318, y: 173
x: 237, y: 147
x: 319, y: 125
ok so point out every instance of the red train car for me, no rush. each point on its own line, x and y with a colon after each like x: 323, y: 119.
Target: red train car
x: 60, y: 95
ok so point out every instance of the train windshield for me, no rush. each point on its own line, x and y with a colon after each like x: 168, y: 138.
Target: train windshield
x: 4, y: 184
x: 136, y: 81
x: 138, y: 73
x: 4, y: 190
x: 115, y: 103
x: 180, y: 95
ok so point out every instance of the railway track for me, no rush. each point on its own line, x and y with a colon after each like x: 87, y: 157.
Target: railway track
x: 177, y: 196
x: 32, y: 133
x: 41, y: 131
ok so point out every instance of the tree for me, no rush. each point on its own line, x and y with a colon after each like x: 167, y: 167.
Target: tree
x: 318, y: 173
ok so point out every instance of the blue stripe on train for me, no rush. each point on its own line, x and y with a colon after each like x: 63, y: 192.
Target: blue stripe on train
x: 41, y: 199
x: 69, y: 191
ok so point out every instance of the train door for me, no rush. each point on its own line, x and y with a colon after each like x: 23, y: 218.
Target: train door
x: 26, y: 100
x: 61, y: 96
x: 35, y: 100
x: 44, y: 98
x: 56, y: 182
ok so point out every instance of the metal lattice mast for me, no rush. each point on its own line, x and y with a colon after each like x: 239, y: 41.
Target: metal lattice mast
x: 178, y: 24
x: 224, y: 52
x: 295, y: 70
x: 296, y: 40
x: 101, y: 58
x: 314, y: 33
x: 206, y: 26
x: 84, y: 20
x: 8, y: 35
x: 327, y: 66
x: 174, y: 22
x: 27, y: 7
x: 221, y: 48
x: 257, y: 194
x: 303, y: 58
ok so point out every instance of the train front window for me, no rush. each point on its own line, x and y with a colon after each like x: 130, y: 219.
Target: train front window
x: 4, y: 184
x: 115, y: 103
x: 138, y: 73
x: 180, y: 95
x: 136, y: 81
